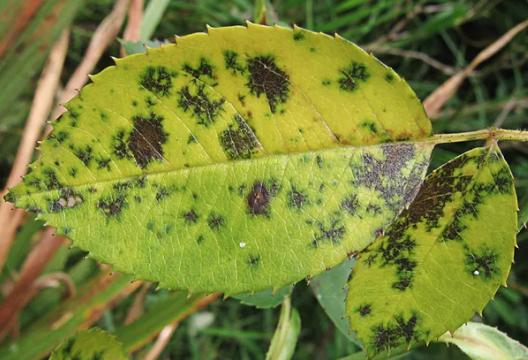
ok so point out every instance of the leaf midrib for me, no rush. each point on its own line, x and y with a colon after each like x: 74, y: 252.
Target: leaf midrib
x: 231, y: 163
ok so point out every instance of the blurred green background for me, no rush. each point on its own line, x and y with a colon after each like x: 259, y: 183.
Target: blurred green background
x: 426, y: 42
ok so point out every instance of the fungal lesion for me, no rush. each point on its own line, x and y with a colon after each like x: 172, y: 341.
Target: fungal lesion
x: 258, y: 199
x: 157, y: 80
x: 204, y: 68
x: 145, y: 141
x: 352, y: 75
x: 238, y: 141
x: 253, y: 260
x: 231, y: 62
x: 199, y: 102
x: 364, y: 310
x: 332, y: 232
x: 389, y: 336
x: 483, y: 264
x: 265, y: 77
x: 297, y: 199
x: 216, y: 221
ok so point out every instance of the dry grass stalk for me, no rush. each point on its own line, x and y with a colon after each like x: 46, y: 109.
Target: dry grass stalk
x: 162, y: 341
x: 22, y: 292
x: 133, y: 28
x: 138, y: 307
x: 40, y: 109
x: 434, y: 102
x: 102, y: 38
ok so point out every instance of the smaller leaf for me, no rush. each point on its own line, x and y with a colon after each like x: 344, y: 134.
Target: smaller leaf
x: 265, y: 299
x: 442, y: 260
x: 483, y: 342
x: 89, y: 345
x: 286, y: 335
x: 329, y: 291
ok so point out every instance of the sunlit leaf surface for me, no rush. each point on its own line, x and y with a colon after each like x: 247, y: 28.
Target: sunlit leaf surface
x: 234, y: 161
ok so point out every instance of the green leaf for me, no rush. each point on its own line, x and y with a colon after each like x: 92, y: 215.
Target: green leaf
x: 234, y: 161
x: 265, y: 299
x: 442, y: 260
x: 285, y: 337
x: 483, y: 342
x: 89, y: 345
x: 329, y: 291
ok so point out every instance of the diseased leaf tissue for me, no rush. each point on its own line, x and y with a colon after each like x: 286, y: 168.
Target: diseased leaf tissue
x: 442, y: 259
x: 244, y: 159
x: 219, y: 165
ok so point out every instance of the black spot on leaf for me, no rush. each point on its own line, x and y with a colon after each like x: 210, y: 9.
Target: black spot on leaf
x: 351, y: 75
x: 191, y: 217
x: 120, y: 146
x: 350, y: 204
x: 254, y: 260
x: 84, y: 154
x: 333, y: 234
x: 298, y: 35
x: 258, y: 199
x: 201, y: 106
x: 364, y: 310
x: 239, y: 140
x: 112, y: 207
x: 146, y: 140
x: 268, y: 79
x: 51, y: 181
x: 483, y: 264
x: 297, y: 199
x: 158, y: 80
x: 203, y: 69
x: 215, y: 221
x: 231, y: 62
x: 387, y: 337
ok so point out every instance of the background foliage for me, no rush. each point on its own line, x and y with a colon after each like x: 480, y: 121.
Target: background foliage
x: 424, y: 41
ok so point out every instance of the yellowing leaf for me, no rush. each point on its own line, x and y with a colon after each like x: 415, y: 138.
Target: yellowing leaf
x: 90, y: 345
x: 234, y: 161
x: 442, y: 260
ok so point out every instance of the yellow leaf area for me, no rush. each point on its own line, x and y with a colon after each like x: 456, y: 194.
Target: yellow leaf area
x: 89, y: 345
x: 234, y: 161
x: 442, y: 260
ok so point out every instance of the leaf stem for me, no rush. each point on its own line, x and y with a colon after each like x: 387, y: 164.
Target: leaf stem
x: 491, y: 133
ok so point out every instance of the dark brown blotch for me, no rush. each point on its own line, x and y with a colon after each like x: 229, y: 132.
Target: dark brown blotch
x: 258, y: 199
x: 364, y: 310
x: 146, y: 140
x: 112, y: 207
x: 190, y: 217
x: 265, y: 77
x: 238, y: 141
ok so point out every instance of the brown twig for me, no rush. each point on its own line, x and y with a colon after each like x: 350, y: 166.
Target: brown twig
x: 441, y: 96
x: 40, y: 109
x: 414, y: 55
x: 162, y: 341
x: 22, y: 292
x: 102, y: 38
x: 138, y: 307
x: 133, y: 28
x: 54, y: 280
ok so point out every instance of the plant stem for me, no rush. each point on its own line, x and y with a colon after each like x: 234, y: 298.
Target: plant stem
x: 491, y: 133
